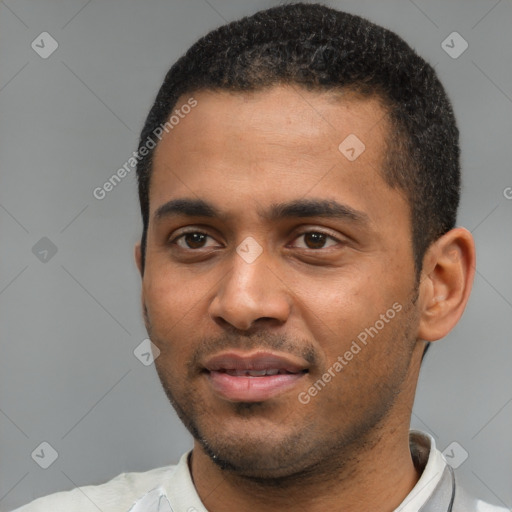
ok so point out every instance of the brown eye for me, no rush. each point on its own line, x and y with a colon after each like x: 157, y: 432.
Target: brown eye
x: 192, y: 240
x: 316, y: 240
x: 195, y: 240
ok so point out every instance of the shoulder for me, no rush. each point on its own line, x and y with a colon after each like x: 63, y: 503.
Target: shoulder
x: 116, y: 495
x: 464, y: 502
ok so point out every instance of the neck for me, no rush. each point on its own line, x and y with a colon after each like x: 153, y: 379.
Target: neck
x: 377, y: 478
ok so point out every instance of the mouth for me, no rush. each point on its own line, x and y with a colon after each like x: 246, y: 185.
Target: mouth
x: 253, y: 377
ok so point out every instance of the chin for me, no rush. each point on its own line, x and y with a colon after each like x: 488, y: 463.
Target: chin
x: 260, y: 453
x: 254, y: 464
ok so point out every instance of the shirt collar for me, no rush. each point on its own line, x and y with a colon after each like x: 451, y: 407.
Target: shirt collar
x: 179, y: 494
x: 429, y: 460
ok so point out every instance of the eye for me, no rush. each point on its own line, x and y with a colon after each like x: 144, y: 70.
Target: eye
x: 192, y: 240
x: 313, y: 240
x: 316, y: 240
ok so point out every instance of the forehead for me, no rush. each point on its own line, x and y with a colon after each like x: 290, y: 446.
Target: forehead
x: 281, y: 117
x: 282, y: 143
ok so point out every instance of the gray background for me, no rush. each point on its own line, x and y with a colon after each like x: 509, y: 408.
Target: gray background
x: 69, y: 325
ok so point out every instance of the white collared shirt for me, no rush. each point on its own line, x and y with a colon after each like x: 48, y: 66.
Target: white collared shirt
x: 171, y: 489
x: 430, y: 476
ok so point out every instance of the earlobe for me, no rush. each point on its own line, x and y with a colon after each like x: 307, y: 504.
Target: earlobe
x: 447, y: 277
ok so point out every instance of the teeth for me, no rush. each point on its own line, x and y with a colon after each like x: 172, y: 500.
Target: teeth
x: 253, y: 373
x: 256, y: 373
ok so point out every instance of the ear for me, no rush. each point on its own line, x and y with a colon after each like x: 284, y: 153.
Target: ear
x: 445, y: 285
x: 138, y: 257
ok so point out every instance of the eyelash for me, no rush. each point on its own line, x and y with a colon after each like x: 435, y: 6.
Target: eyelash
x: 302, y: 233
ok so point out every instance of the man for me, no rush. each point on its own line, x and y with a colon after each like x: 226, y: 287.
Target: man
x: 299, y: 182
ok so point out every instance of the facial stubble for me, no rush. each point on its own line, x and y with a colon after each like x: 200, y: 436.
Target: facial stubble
x: 304, y: 451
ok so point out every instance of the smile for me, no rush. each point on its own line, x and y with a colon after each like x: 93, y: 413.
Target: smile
x: 256, y: 377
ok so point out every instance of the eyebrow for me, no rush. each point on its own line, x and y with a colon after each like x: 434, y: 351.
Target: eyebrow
x: 297, y: 208
x: 186, y: 207
x: 315, y: 208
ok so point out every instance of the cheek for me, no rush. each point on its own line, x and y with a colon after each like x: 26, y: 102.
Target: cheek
x: 171, y: 301
x: 360, y: 320
x: 345, y: 305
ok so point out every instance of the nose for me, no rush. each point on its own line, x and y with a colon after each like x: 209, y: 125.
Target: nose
x: 251, y: 294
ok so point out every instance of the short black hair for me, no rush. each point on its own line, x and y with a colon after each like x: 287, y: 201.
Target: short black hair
x: 319, y: 48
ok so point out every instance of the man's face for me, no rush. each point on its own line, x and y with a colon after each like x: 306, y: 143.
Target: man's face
x: 256, y: 286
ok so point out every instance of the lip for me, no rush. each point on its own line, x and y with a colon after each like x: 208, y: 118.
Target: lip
x: 244, y: 388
